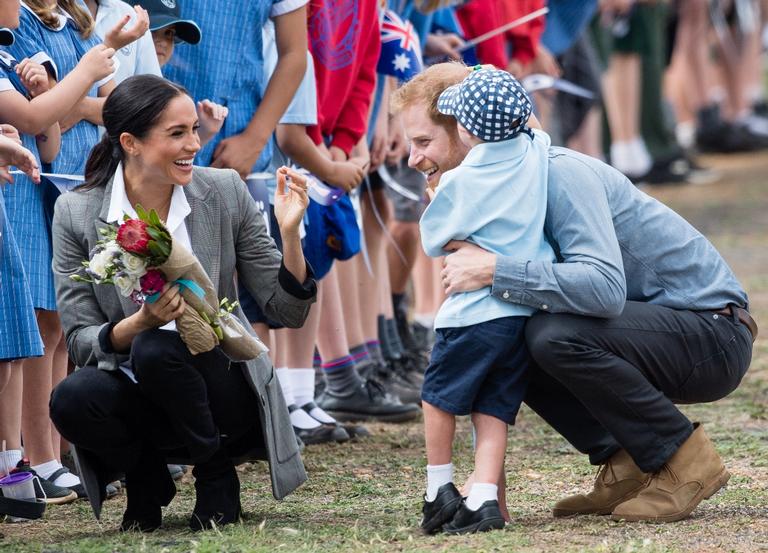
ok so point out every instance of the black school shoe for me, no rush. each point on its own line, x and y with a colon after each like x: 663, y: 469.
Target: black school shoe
x: 465, y: 521
x: 436, y: 513
x: 368, y: 401
x: 323, y: 434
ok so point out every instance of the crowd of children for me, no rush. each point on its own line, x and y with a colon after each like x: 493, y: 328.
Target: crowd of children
x: 284, y: 82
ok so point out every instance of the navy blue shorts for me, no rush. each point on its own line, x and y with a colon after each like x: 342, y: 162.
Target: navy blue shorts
x: 251, y: 309
x: 481, y: 368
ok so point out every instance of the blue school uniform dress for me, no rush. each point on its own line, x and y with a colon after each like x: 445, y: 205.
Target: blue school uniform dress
x: 65, y: 47
x: 25, y: 211
x: 19, y: 334
x: 226, y: 66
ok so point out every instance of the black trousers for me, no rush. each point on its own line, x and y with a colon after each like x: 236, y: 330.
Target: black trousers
x: 183, y: 405
x: 606, y: 384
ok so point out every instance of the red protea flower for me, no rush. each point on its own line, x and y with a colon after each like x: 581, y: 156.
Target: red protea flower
x: 133, y: 237
x: 152, y: 282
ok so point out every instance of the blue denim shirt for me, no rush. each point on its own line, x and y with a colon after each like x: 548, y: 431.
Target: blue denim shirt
x: 603, y: 228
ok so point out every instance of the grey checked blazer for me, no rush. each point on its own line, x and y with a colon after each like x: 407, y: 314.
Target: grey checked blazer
x: 228, y: 235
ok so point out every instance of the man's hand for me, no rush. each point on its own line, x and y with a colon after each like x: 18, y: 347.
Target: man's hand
x: 238, y: 152
x: 468, y: 268
x: 13, y: 153
x: 118, y: 37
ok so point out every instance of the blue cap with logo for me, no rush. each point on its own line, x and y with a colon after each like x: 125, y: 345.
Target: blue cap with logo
x: 490, y: 103
x: 163, y: 13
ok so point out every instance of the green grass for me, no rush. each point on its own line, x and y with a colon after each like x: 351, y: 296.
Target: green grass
x: 365, y: 496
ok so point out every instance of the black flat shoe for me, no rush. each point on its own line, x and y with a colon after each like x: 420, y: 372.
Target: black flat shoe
x: 465, y: 521
x: 436, y: 513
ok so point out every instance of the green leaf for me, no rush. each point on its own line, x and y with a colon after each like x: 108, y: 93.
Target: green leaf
x: 155, y: 250
x: 154, y: 233
x: 142, y: 213
x: 154, y: 218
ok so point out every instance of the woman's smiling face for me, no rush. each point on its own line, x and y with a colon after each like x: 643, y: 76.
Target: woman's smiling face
x: 166, y: 153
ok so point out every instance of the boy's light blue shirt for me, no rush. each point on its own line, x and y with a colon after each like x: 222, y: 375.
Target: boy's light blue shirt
x: 497, y: 199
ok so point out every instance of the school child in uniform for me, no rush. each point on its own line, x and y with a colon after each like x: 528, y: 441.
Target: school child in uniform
x: 28, y: 104
x: 496, y: 198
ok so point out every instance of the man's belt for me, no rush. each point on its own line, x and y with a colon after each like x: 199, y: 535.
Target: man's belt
x: 743, y: 316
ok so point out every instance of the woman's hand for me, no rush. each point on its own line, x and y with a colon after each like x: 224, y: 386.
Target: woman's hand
x: 291, y: 200
x: 118, y: 37
x: 168, y: 307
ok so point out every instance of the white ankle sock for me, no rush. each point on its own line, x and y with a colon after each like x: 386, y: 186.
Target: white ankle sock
x: 318, y: 414
x: 284, y: 376
x: 480, y: 493
x: 301, y: 419
x: 8, y: 460
x: 45, y: 470
x: 437, y: 476
x: 642, y: 157
x: 303, y: 385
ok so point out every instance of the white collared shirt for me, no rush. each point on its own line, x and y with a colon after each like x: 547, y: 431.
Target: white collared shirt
x: 119, y: 205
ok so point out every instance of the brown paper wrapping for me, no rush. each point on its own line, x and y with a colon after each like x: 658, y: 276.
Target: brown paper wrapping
x: 237, y: 344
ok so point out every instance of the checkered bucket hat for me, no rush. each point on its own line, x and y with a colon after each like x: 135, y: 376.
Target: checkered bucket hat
x: 489, y: 103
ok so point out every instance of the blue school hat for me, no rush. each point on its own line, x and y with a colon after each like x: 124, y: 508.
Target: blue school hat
x: 163, y: 13
x: 490, y: 103
x: 6, y: 37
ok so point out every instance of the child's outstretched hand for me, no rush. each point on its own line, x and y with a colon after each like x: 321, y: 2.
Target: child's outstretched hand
x: 13, y: 153
x: 33, y: 76
x: 291, y: 199
x: 98, y: 62
x: 211, y: 116
x: 118, y: 37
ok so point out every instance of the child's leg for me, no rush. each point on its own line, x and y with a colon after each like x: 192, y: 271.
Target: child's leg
x: 489, y: 459
x: 439, y: 428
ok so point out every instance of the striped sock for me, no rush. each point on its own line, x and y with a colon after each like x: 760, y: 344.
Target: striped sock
x: 374, y: 350
x: 359, y: 353
x: 341, y: 375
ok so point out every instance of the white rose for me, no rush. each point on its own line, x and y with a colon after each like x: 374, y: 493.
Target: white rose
x: 126, y: 283
x: 133, y: 265
x: 99, y: 263
x: 112, y: 249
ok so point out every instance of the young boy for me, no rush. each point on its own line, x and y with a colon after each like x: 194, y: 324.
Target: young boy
x: 167, y: 28
x: 496, y: 198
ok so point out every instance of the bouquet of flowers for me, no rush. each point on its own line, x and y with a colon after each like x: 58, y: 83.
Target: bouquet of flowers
x: 140, y: 256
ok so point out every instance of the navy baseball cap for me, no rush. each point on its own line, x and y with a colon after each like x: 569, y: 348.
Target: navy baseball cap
x: 6, y: 37
x: 490, y: 103
x: 163, y: 13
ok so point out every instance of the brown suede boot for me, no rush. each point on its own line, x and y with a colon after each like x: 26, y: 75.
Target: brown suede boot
x: 618, y: 480
x: 694, y: 473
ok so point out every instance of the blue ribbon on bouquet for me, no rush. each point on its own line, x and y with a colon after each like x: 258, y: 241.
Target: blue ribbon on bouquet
x: 184, y: 284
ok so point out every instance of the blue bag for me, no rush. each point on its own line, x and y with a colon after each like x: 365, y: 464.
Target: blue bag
x: 332, y: 233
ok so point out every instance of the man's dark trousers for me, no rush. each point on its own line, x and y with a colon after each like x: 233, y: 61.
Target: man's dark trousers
x: 606, y: 384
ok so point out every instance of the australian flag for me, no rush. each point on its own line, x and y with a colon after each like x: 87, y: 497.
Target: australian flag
x: 400, y: 48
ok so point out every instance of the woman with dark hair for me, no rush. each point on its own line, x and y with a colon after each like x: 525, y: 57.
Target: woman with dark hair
x: 139, y: 398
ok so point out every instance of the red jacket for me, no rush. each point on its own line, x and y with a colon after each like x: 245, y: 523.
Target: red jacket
x: 345, y: 42
x: 478, y: 17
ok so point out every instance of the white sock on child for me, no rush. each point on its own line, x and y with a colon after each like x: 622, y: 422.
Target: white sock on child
x: 303, y: 383
x: 299, y: 417
x: 438, y: 475
x: 45, y: 470
x: 480, y: 493
x: 8, y: 460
